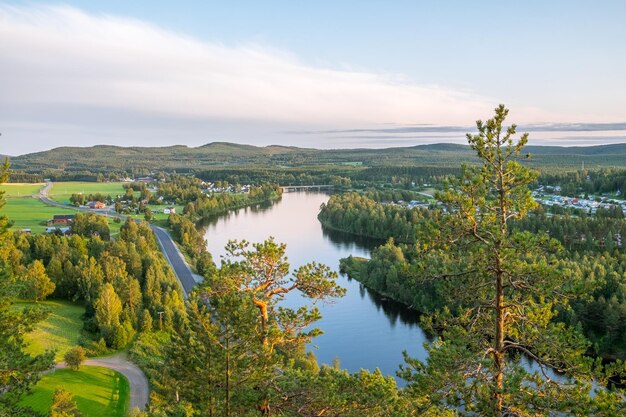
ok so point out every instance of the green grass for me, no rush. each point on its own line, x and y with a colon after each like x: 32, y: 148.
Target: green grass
x: 31, y: 213
x: 60, y: 331
x: 20, y: 189
x: 98, y: 392
x: 159, y: 218
x: 62, y: 191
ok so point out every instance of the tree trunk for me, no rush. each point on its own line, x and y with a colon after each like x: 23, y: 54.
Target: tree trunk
x: 499, y: 345
x: 227, y: 376
x: 499, y: 301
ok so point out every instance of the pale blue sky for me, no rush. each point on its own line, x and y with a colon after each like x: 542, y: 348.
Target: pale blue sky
x: 549, y: 61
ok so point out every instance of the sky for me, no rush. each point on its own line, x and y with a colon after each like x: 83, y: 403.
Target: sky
x: 324, y: 74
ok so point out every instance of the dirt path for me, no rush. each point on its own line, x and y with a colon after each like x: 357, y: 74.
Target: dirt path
x: 139, y: 389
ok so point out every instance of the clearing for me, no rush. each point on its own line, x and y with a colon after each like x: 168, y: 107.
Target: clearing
x: 60, y: 331
x: 98, y: 392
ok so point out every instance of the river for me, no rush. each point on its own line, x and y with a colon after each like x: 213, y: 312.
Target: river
x: 361, y: 329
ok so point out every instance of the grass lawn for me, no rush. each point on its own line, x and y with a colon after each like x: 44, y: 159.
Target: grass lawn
x: 160, y: 219
x: 20, y: 189
x: 98, y: 392
x: 62, y: 191
x: 31, y: 213
x: 60, y: 331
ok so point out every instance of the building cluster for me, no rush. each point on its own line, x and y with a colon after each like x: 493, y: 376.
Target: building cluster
x: 410, y: 204
x: 591, y: 203
x: 211, y: 187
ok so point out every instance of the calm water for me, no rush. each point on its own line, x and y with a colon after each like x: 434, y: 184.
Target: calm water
x: 361, y: 329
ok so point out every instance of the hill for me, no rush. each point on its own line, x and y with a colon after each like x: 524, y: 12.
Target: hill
x: 105, y: 158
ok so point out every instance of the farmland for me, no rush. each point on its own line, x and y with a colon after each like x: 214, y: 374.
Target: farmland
x: 62, y: 191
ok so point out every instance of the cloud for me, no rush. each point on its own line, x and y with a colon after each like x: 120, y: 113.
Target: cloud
x: 60, y: 57
x: 72, y: 78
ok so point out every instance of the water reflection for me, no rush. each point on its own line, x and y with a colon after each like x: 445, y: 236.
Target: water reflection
x: 346, y: 240
x: 393, y: 310
x: 362, y: 329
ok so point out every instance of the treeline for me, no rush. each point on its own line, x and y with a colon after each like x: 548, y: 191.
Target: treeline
x: 586, y: 182
x: 285, y: 176
x: 359, y: 175
x: 362, y: 214
x: 407, y: 175
x: 25, y: 177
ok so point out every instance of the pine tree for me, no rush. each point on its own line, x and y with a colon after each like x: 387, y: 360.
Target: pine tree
x: 509, y: 286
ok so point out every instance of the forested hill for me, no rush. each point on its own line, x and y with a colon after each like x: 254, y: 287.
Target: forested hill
x: 220, y: 154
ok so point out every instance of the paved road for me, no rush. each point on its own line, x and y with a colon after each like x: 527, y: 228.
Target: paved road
x: 175, y: 259
x: 139, y: 388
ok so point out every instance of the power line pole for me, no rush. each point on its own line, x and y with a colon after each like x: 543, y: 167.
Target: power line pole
x: 160, y: 313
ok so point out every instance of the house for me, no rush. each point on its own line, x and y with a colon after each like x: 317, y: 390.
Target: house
x: 96, y: 205
x: 145, y: 180
x: 169, y: 210
x: 61, y: 220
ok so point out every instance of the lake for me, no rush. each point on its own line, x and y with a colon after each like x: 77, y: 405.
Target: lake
x: 362, y: 329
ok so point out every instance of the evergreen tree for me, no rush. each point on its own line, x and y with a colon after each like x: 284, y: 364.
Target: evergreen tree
x: 509, y: 286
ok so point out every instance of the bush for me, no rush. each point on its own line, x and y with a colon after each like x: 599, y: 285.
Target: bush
x: 94, y: 348
x: 75, y: 357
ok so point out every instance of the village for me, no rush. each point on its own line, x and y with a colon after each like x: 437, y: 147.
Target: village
x: 549, y: 196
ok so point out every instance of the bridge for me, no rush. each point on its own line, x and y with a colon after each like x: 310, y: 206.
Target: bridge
x: 294, y: 188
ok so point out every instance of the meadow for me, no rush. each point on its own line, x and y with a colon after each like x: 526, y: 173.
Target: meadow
x: 20, y: 189
x: 30, y: 213
x: 98, y: 392
x: 59, y: 332
x: 62, y: 191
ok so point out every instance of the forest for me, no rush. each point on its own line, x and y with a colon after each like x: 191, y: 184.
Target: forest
x: 496, y: 278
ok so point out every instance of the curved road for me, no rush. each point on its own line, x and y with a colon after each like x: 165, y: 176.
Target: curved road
x: 139, y: 388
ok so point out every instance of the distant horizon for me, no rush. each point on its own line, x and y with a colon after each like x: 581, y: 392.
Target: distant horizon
x: 302, y: 147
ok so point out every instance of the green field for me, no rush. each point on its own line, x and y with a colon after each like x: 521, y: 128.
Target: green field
x: 31, y: 213
x: 98, y: 392
x: 20, y: 189
x: 62, y: 191
x: 60, y: 331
